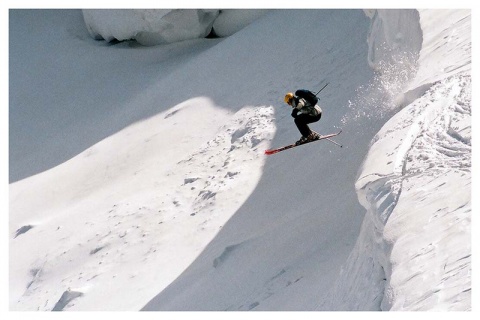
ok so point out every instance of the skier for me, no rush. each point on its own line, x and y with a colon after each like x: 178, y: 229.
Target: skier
x: 309, y: 113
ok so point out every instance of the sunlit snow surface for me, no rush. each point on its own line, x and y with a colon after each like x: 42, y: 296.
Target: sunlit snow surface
x: 170, y: 203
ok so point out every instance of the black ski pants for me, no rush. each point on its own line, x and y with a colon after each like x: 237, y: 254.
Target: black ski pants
x: 302, y: 121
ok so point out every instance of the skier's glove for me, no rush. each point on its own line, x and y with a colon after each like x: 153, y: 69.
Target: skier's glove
x: 294, y: 112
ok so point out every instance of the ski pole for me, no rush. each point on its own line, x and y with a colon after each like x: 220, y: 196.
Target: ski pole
x: 321, y: 89
x: 338, y: 144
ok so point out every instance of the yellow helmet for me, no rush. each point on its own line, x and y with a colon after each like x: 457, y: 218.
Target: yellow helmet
x: 288, y: 98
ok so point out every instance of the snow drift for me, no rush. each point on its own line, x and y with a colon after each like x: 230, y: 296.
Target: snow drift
x: 135, y: 221
x: 156, y: 26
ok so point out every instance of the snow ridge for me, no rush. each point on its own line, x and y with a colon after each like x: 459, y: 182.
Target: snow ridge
x: 426, y: 144
x: 433, y: 136
x: 440, y: 152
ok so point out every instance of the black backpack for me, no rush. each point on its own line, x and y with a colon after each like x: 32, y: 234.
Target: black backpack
x: 308, y: 95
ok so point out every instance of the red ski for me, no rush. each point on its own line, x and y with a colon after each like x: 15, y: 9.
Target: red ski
x: 326, y: 137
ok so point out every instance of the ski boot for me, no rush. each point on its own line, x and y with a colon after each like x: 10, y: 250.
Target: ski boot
x: 313, y: 136
x: 302, y: 140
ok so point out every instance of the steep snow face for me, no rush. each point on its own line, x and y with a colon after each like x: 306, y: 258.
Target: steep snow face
x: 415, y: 241
x: 283, y: 248
x: 114, y: 226
x: 394, y: 41
x: 395, y: 37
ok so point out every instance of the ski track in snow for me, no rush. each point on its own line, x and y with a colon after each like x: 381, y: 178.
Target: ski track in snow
x: 435, y: 146
x: 218, y: 166
x: 442, y: 148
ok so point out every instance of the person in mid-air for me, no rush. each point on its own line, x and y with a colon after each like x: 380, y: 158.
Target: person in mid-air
x: 305, y: 111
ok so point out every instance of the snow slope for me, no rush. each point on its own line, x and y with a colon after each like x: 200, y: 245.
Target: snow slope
x: 72, y: 91
x: 173, y: 199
